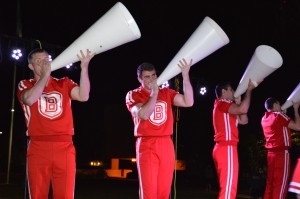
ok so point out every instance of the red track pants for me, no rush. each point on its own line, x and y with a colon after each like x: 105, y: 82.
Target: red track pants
x: 227, y: 167
x: 51, y: 162
x: 295, y: 182
x: 278, y: 173
x: 155, y: 164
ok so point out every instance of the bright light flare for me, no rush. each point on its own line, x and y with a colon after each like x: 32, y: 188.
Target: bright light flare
x: 165, y: 84
x: 69, y: 66
x: 16, y: 54
x: 203, y: 90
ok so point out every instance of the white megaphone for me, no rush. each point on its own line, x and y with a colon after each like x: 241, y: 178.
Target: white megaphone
x: 206, y: 39
x: 294, y: 97
x: 264, y: 61
x: 113, y: 29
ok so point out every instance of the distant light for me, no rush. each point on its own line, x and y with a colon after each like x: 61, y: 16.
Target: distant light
x: 133, y: 160
x: 50, y: 57
x: 203, y: 90
x: 69, y: 66
x: 12, y: 110
x: 165, y: 84
x: 95, y: 163
x: 0, y: 132
x: 16, y: 54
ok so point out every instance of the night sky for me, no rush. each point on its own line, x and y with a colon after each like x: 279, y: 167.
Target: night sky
x: 103, y: 126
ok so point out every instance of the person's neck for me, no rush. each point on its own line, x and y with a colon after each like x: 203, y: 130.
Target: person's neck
x: 225, y: 98
x: 148, y: 90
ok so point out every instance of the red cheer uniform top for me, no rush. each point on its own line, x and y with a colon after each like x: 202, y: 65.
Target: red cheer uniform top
x: 276, y: 131
x: 51, y: 114
x: 160, y: 122
x: 225, y: 124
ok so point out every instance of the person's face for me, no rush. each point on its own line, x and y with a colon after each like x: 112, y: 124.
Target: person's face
x: 147, y: 78
x: 228, y: 93
x: 38, y: 59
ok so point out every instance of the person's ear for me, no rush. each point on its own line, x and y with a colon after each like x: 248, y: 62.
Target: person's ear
x: 30, y: 66
x: 223, y: 91
x: 139, y: 79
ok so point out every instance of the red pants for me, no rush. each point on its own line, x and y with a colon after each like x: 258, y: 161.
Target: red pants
x: 295, y: 182
x: 278, y: 173
x: 51, y: 162
x: 155, y: 159
x: 227, y: 167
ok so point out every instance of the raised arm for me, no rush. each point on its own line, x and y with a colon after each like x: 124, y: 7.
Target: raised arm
x: 242, y: 118
x: 143, y: 111
x: 82, y: 92
x: 31, y: 95
x: 243, y: 107
x: 187, y: 98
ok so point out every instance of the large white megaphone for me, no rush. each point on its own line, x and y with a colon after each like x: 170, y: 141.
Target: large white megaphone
x: 206, y: 39
x: 113, y: 29
x: 264, y: 61
x: 294, y: 97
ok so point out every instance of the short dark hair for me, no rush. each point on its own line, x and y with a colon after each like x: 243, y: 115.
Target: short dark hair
x: 220, y: 86
x: 34, y: 51
x: 144, y: 66
x: 270, y: 102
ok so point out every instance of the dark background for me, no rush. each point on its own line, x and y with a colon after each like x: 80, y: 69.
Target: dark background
x: 103, y: 126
